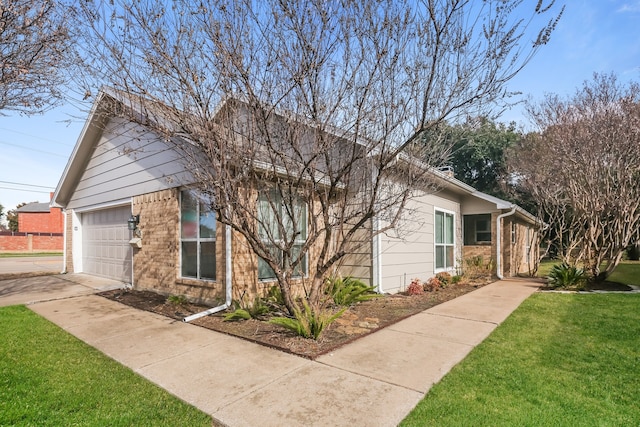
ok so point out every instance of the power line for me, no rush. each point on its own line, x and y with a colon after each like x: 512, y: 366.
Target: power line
x: 26, y: 185
x: 29, y: 191
x: 37, y: 137
x: 33, y: 149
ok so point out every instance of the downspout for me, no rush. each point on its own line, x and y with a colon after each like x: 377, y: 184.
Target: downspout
x: 227, y: 280
x: 499, y: 241
x: 376, y: 254
x: 376, y: 243
x: 64, y: 242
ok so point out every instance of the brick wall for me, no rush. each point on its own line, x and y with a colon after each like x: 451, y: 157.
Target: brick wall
x: 521, y: 254
x: 41, y: 222
x: 156, y: 265
x: 30, y: 242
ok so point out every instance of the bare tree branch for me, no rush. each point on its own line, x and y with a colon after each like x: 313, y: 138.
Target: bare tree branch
x: 309, y: 100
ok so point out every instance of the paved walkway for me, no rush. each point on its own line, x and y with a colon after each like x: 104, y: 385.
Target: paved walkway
x: 374, y: 381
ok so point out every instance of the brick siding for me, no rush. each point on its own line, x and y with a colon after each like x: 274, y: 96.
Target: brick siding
x: 30, y: 242
x: 41, y: 222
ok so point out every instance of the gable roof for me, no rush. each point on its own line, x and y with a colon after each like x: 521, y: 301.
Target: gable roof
x: 100, y: 114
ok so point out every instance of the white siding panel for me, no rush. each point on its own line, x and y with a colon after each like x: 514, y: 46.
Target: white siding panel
x: 409, y: 252
x: 127, y: 161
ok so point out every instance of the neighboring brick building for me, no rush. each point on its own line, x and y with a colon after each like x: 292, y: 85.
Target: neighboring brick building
x: 40, y: 218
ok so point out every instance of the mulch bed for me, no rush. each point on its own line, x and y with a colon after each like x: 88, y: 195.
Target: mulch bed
x: 359, y: 320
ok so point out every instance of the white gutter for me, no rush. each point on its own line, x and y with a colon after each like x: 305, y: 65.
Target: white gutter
x: 498, y: 241
x: 227, y: 279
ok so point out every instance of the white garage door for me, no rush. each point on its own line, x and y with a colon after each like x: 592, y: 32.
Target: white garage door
x: 105, y: 243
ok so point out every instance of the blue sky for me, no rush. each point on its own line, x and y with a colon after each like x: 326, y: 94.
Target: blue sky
x: 593, y: 36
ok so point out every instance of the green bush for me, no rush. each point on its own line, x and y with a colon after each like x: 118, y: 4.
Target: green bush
x: 348, y: 290
x: 248, y: 311
x: 177, y: 299
x: 307, y: 322
x: 567, y: 277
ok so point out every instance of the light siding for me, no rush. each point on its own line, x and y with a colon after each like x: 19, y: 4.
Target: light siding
x: 408, y: 253
x: 127, y: 161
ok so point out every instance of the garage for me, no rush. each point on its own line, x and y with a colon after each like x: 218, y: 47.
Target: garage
x: 105, y: 243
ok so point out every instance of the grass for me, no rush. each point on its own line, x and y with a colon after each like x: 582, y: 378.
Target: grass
x: 560, y: 359
x: 28, y: 254
x: 627, y: 272
x: 50, y: 378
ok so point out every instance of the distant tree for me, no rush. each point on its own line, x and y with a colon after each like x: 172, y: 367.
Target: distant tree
x: 320, y: 99
x: 12, y: 217
x: 582, y: 169
x: 478, y: 152
x: 34, y: 39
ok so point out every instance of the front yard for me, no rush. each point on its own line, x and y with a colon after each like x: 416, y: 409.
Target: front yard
x: 50, y: 378
x: 560, y: 359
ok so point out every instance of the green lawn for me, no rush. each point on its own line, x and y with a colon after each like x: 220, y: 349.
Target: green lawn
x: 627, y: 272
x: 559, y: 360
x: 50, y: 378
x: 28, y: 254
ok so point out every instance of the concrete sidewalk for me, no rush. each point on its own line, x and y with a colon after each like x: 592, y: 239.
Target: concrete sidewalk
x: 30, y: 290
x: 374, y: 381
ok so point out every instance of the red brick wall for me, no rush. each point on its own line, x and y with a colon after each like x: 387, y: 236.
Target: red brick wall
x: 41, y: 222
x: 24, y: 242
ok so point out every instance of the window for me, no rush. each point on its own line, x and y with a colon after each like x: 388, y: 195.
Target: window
x: 483, y: 228
x: 444, y: 223
x: 271, y: 210
x: 513, y: 233
x: 197, y: 238
x: 477, y: 229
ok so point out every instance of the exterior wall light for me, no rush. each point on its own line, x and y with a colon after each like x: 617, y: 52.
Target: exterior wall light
x: 133, y: 221
x: 132, y: 224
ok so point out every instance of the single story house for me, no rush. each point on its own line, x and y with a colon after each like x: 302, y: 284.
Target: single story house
x: 178, y: 247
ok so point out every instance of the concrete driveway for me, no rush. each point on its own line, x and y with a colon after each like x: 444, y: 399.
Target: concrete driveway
x: 53, y: 287
x: 12, y: 265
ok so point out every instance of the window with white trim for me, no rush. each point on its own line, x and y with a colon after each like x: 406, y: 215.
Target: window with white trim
x: 444, y: 240
x: 197, y: 237
x: 294, y: 225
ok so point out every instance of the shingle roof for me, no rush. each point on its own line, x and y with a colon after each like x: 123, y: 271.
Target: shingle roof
x: 34, y: 207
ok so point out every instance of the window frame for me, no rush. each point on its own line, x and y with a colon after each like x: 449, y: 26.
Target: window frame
x: 198, y: 239
x: 445, y: 213
x: 299, y: 241
x: 486, y: 231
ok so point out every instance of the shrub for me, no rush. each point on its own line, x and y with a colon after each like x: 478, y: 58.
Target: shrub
x: 433, y: 284
x: 475, y: 267
x: 346, y: 291
x: 177, y: 299
x: 307, y: 322
x: 444, y: 278
x: 415, y: 287
x: 247, y: 311
x: 567, y: 277
x: 274, y: 295
x: 456, y: 279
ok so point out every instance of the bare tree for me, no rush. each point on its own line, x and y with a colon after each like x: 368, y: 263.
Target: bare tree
x: 582, y: 169
x: 33, y: 43
x: 293, y: 114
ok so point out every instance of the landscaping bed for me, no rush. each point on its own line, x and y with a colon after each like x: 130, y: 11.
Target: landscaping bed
x: 357, y: 321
